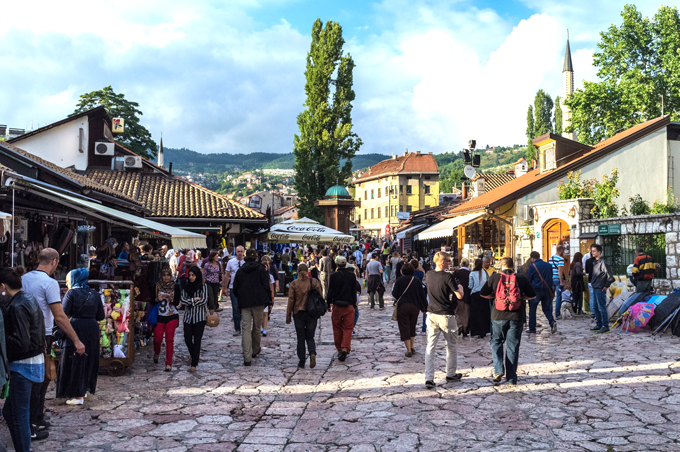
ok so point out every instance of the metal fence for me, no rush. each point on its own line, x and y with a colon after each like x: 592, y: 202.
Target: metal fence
x: 619, y: 251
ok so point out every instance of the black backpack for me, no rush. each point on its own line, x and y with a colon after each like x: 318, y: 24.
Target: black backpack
x: 316, y: 305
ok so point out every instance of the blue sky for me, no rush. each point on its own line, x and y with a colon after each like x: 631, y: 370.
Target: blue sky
x: 228, y: 76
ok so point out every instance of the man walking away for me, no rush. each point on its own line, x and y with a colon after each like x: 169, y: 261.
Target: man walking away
x: 45, y: 290
x: 251, y: 287
x: 508, y: 315
x: 232, y: 268
x: 443, y: 291
x: 588, y: 261
x: 305, y: 324
x: 602, y: 279
x: 342, y: 301
x: 643, y: 271
x: 325, y: 270
x: 375, y: 271
x: 540, y: 275
x: 557, y: 264
x: 359, y: 256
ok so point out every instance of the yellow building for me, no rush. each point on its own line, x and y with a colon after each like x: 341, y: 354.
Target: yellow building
x: 405, y: 183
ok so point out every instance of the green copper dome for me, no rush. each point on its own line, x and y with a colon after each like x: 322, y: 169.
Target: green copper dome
x: 337, y: 191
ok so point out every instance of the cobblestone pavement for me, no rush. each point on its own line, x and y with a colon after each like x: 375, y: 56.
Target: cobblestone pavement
x: 577, y: 391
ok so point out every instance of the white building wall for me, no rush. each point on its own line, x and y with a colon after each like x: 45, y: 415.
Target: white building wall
x: 60, y: 144
x: 674, y: 162
x: 642, y: 166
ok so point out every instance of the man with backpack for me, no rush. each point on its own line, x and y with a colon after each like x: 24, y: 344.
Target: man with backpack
x: 643, y: 271
x: 540, y: 275
x: 558, y: 276
x: 342, y: 301
x: 509, y: 293
x: 443, y: 291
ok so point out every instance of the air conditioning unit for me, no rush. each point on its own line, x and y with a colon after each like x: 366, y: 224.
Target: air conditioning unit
x: 104, y: 148
x: 133, y: 162
x: 528, y: 213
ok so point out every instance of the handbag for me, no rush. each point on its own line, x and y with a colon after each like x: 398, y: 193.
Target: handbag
x: 152, y: 318
x: 550, y: 291
x: 50, y: 367
x: 396, y: 303
x: 212, y: 320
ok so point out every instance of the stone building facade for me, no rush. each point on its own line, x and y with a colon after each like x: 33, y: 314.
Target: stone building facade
x: 648, y: 224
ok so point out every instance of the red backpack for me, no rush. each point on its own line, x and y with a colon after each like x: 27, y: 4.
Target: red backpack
x: 508, y: 297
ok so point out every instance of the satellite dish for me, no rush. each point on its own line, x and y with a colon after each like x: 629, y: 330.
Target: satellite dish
x: 470, y: 172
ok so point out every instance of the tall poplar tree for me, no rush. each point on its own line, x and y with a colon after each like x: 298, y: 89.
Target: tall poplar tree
x: 531, y: 150
x: 325, y: 125
x: 543, y: 105
x: 558, y: 116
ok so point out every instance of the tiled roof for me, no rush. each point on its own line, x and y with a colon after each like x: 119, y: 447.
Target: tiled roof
x: 492, y: 181
x: 283, y: 210
x: 533, y: 180
x: 409, y: 163
x: 170, y: 196
x: 77, y: 178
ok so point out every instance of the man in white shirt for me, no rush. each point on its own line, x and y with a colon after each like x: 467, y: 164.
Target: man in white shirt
x: 232, y: 267
x: 46, y: 291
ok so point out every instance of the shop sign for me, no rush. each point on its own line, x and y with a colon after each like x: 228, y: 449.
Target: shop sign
x: 609, y: 229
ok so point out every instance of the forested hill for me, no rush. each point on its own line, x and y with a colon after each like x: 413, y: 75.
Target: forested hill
x: 188, y: 160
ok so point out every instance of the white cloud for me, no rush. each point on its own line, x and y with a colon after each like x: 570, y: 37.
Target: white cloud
x: 430, y: 74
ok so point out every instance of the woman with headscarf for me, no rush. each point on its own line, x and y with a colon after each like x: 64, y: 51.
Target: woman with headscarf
x: 194, y: 297
x: 168, y: 318
x: 463, y: 308
x: 480, y: 311
x: 83, y: 305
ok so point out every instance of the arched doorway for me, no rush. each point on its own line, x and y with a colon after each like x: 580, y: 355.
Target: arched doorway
x: 556, y: 232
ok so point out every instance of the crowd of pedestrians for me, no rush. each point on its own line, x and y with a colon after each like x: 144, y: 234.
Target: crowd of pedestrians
x: 455, y: 302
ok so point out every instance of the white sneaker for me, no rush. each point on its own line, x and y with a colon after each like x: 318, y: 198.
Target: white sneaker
x: 77, y: 401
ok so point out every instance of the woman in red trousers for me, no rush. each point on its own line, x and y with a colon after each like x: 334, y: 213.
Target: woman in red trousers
x: 168, y: 318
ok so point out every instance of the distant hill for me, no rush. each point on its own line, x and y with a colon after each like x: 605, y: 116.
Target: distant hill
x: 188, y: 160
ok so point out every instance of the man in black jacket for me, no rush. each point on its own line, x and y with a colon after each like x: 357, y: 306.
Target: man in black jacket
x: 342, y: 301
x: 251, y: 287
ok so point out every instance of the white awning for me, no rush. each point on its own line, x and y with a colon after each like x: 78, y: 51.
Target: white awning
x: 446, y: 227
x: 306, y: 231
x: 181, y: 239
x: 411, y: 230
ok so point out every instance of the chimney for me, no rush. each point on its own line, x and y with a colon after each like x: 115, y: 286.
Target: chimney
x: 170, y: 167
x: 405, y: 153
x: 464, y: 191
x: 417, y: 152
x: 394, y: 156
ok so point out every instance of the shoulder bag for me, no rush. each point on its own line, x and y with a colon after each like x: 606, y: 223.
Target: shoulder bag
x: 396, y: 303
x: 550, y: 291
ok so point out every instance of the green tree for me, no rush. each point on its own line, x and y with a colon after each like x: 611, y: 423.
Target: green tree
x: 136, y: 137
x: 558, y: 116
x: 531, y: 150
x: 543, y: 105
x: 325, y: 125
x: 638, y: 62
x: 451, y: 180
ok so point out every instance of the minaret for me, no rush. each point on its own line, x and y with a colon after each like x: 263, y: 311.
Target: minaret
x: 160, y: 152
x: 567, y: 90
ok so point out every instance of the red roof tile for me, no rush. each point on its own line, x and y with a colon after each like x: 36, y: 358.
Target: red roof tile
x: 409, y: 163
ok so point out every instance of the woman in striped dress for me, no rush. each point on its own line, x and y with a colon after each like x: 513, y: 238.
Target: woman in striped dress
x: 194, y: 297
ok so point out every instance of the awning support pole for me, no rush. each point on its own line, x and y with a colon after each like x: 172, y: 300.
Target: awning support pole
x: 511, y: 254
x: 11, y: 245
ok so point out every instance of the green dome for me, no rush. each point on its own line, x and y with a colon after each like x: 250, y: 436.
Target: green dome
x: 337, y: 191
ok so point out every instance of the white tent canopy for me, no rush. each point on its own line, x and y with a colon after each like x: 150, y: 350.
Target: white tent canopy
x: 446, y: 227
x: 306, y: 231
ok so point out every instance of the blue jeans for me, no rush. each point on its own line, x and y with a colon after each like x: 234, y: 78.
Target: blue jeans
x: 508, y: 332
x: 558, y: 296
x: 356, y: 315
x: 592, y: 300
x: 16, y: 411
x: 542, y: 297
x: 601, y: 308
x: 424, y: 328
x: 235, y: 311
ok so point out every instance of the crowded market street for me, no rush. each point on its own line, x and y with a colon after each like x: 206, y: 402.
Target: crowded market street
x: 577, y: 391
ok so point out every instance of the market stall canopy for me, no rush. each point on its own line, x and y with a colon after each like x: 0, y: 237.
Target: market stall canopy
x: 6, y: 221
x: 180, y: 238
x: 410, y: 231
x: 446, y: 227
x: 306, y: 231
